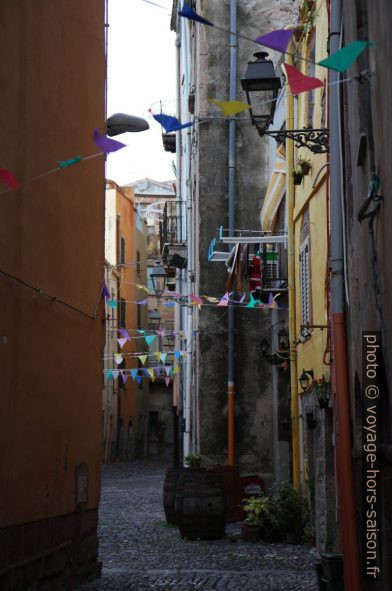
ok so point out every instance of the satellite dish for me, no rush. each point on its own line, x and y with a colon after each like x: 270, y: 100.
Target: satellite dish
x: 122, y: 123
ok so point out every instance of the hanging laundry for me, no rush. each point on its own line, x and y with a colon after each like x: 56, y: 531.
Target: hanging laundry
x: 255, y: 275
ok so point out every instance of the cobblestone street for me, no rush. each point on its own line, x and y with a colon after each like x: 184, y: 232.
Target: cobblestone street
x: 141, y: 552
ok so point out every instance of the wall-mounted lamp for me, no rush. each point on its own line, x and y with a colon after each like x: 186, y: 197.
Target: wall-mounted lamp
x: 122, y: 123
x: 261, y: 87
x: 305, y: 378
x: 154, y: 319
x: 283, y: 339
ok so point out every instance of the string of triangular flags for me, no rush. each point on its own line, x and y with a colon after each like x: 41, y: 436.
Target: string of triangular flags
x: 278, y: 40
x: 196, y: 300
x: 144, y: 357
x: 167, y: 372
x: 106, y: 144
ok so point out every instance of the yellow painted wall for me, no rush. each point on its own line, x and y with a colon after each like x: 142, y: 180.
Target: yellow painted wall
x: 310, y: 353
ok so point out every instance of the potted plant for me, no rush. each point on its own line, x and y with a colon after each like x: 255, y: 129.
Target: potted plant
x: 255, y: 507
x: 303, y: 28
x: 322, y: 393
x: 284, y: 518
x: 305, y: 166
x: 297, y: 175
x: 193, y: 461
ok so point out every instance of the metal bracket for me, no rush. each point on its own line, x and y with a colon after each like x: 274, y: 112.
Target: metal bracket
x: 316, y: 140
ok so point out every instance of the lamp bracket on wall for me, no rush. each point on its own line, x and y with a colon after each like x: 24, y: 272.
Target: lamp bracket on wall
x: 316, y: 140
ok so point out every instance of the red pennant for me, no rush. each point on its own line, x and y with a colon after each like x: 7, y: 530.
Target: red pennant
x: 299, y: 82
x: 9, y: 178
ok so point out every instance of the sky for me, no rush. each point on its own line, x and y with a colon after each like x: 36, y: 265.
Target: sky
x: 141, y: 73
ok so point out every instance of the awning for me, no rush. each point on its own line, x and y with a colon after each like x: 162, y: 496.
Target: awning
x: 276, y: 190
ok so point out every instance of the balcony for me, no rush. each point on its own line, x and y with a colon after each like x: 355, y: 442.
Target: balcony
x: 172, y: 248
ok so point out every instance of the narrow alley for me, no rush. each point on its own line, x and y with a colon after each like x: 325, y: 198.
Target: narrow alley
x: 141, y: 552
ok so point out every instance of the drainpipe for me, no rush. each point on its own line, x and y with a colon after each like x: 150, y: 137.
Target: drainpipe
x: 291, y: 287
x: 231, y: 188
x: 190, y: 270
x: 343, y: 434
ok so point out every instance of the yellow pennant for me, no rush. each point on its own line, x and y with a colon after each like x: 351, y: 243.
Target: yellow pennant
x: 143, y: 358
x: 151, y: 372
x: 211, y: 299
x: 230, y: 107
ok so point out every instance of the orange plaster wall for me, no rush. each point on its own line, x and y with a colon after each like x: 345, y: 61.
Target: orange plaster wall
x: 52, y: 74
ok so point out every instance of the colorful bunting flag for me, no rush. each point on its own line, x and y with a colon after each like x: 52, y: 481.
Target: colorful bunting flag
x: 122, y: 342
x: 175, y: 370
x: 158, y: 355
x: 196, y: 300
x: 187, y: 12
x: 167, y: 380
x: 171, y: 123
x: 230, y: 107
x: 124, y: 333
x: 70, y: 162
x: 134, y: 373
x: 110, y: 375
x: 169, y: 304
x: 115, y: 373
x: 168, y: 369
x: 157, y: 371
x: 138, y: 379
x: 112, y: 303
x: 151, y: 373
x: 106, y: 144
x: 105, y: 292
x: 344, y: 58
x: 225, y: 300
x: 278, y: 39
x: 210, y: 299
x: 9, y: 179
x: 163, y: 357
x: 177, y: 354
x: 143, y: 287
x: 299, y: 82
x: 143, y: 358
x: 124, y: 376
x: 150, y: 339
x: 118, y: 358
x: 160, y: 333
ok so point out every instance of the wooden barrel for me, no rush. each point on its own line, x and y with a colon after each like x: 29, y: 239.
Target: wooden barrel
x: 169, y: 493
x: 200, y: 505
x: 231, y: 482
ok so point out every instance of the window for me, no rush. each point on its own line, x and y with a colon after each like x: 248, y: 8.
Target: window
x: 138, y: 262
x: 305, y: 282
x: 122, y: 251
x: 149, y: 280
x: 123, y: 313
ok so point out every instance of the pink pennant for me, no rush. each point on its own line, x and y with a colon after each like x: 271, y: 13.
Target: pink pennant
x: 167, y: 370
x: 196, y: 299
x: 299, y: 82
x: 9, y: 179
x: 160, y: 333
x: 225, y: 300
x: 167, y: 380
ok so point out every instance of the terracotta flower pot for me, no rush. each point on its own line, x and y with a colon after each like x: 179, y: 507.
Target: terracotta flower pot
x: 305, y: 168
x: 297, y: 176
x: 250, y: 533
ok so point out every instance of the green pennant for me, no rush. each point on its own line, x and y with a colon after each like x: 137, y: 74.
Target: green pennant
x: 66, y: 163
x: 341, y: 60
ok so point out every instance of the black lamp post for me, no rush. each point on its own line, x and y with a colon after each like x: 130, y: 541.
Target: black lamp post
x: 121, y: 123
x: 158, y: 278
x: 305, y: 377
x: 283, y: 339
x: 261, y: 86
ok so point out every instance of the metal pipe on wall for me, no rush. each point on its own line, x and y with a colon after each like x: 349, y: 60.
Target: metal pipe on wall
x: 291, y: 289
x: 342, y: 414
x: 231, y: 191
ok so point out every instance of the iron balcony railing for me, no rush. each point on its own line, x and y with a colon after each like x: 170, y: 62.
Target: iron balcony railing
x: 171, y: 225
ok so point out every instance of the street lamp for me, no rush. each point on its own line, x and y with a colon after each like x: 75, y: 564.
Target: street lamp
x: 158, y: 277
x: 121, y: 123
x: 261, y: 86
x: 262, y: 83
x: 154, y: 319
x: 305, y: 377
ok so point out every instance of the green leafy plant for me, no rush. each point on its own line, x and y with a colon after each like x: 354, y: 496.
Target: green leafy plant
x: 255, y: 507
x: 322, y: 391
x: 284, y: 513
x: 193, y: 460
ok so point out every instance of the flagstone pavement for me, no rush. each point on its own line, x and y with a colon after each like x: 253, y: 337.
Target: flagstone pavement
x: 140, y: 552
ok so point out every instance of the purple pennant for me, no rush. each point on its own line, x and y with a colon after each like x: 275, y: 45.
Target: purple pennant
x: 105, y: 292
x: 124, y: 333
x: 107, y: 144
x: 171, y: 123
x: 278, y: 39
x: 187, y: 12
x: 157, y: 371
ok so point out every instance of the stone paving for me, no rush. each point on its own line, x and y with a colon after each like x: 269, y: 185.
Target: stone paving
x: 140, y: 552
